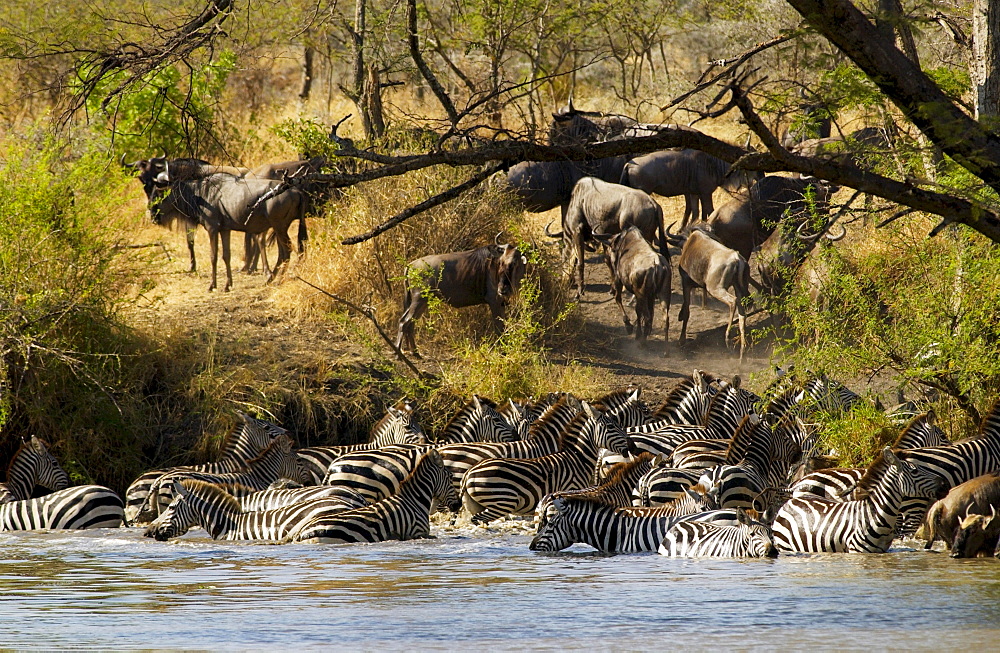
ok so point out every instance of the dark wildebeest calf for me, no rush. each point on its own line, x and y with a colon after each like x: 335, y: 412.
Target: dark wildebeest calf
x: 706, y: 263
x: 645, y: 273
x: 597, y: 207
x: 488, y: 275
x: 221, y: 203
x: 691, y: 173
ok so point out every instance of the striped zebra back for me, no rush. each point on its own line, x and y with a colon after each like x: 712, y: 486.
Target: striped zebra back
x: 728, y: 408
x: 375, y: 474
x: 403, y: 516
x: 568, y: 520
x: 663, y: 485
x: 477, y: 421
x: 276, y: 461
x: 225, y: 516
x: 624, y: 407
x: 617, y: 487
x: 867, y: 522
x: 748, y: 539
x: 271, y: 499
x: 688, y: 402
x: 834, y: 484
x: 32, y: 465
x: 828, y: 395
x: 243, y: 444
x: 921, y: 431
x: 73, y: 508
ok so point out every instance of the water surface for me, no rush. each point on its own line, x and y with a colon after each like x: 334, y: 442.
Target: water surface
x: 465, y: 589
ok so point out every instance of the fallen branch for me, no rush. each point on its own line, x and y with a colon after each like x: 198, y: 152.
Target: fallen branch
x: 427, y: 204
x: 370, y: 314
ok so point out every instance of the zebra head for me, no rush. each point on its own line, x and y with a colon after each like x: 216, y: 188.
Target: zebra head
x: 399, y: 427
x: 605, y: 433
x: 913, y: 480
x: 48, y: 473
x: 756, y: 536
x: 554, y: 528
x: 516, y: 416
x: 176, y: 520
x: 443, y: 491
x: 493, y: 424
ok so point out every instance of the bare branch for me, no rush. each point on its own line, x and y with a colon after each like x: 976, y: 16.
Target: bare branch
x: 425, y: 71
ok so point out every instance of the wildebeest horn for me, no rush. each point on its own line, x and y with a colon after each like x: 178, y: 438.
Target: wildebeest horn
x: 496, y: 239
x: 803, y: 236
x: 674, y: 238
x: 747, y: 146
x: 549, y: 233
x: 832, y: 238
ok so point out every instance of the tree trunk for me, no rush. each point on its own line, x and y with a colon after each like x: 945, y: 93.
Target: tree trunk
x: 986, y: 60
x: 307, y: 73
x: 370, y: 103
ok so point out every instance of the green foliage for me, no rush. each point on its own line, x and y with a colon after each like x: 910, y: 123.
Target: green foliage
x: 168, y: 111
x: 926, y: 309
x: 953, y: 82
x: 71, y: 370
x: 856, y: 437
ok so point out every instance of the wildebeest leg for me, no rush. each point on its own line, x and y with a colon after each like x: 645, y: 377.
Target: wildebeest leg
x: 666, y: 326
x: 690, y: 209
x: 251, y: 253
x: 616, y: 289
x: 261, y: 239
x: 414, y: 306
x: 189, y: 235
x: 225, y: 259
x: 578, y: 264
x: 706, y: 206
x: 284, y: 250
x: 686, y: 286
x: 213, y: 246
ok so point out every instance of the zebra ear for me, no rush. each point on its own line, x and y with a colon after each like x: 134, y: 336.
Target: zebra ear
x: 736, y: 381
x: 890, y: 457
x: 742, y: 517
x: 475, y: 402
x: 180, y: 490
x: 659, y: 460
x: 588, y: 410
x: 635, y: 394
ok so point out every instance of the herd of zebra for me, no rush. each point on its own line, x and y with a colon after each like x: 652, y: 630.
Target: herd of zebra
x: 716, y: 470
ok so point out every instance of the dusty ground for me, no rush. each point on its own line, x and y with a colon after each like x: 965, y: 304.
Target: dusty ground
x: 248, y: 317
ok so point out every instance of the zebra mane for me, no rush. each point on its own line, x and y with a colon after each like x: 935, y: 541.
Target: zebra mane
x: 212, y: 492
x: 873, y: 475
x: 743, y: 439
x: 430, y: 455
x: 17, y: 453
x: 574, y: 429
x: 275, y: 443
x: 612, y: 400
x: 917, y: 423
x: 991, y: 423
x: 553, y: 415
x: 463, y: 414
x: 620, y: 471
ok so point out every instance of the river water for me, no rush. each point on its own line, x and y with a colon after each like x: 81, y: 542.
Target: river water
x: 477, y: 589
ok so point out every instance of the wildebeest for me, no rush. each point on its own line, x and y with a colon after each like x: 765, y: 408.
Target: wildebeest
x: 815, y: 122
x: 488, y: 275
x: 221, y: 203
x: 691, y: 173
x: 570, y: 126
x: 599, y: 207
x: 645, y: 273
x: 977, y: 495
x: 786, y: 249
x: 977, y: 536
x: 745, y: 222
x: 707, y: 263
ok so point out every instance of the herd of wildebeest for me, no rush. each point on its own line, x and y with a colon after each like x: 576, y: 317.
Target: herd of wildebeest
x: 715, y: 470
x: 607, y: 202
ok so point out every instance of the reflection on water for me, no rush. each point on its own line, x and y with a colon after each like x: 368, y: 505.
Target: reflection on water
x: 118, y: 589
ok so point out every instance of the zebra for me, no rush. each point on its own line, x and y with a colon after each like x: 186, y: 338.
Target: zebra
x: 32, y: 465
x: 271, y: 498
x: 757, y: 463
x: 700, y: 454
x: 830, y: 396
x: 864, y: 524
x: 543, y: 439
x: 689, y: 400
x: 692, y: 539
x: 496, y: 488
x: 617, y: 486
x: 396, y: 427
x: 249, y: 439
x: 198, y: 503
x: 623, y: 407
x: 920, y: 435
x: 477, y: 421
x: 517, y: 417
x: 74, y: 508
x: 375, y: 474
x: 567, y: 520
x: 403, y: 516
x: 727, y: 408
x: 276, y: 461
x: 663, y: 485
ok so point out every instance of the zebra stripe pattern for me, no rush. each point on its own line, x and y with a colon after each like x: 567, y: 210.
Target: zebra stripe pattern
x: 864, y: 524
x: 246, y: 443
x: 691, y: 539
x: 403, y: 516
x: 32, y: 465
x: 477, y: 421
x: 376, y: 474
x: 496, y: 488
x: 395, y: 427
x: 688, y: 402
x: 75, y: 508
x: 222, y: 516
x: 567, y: 520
